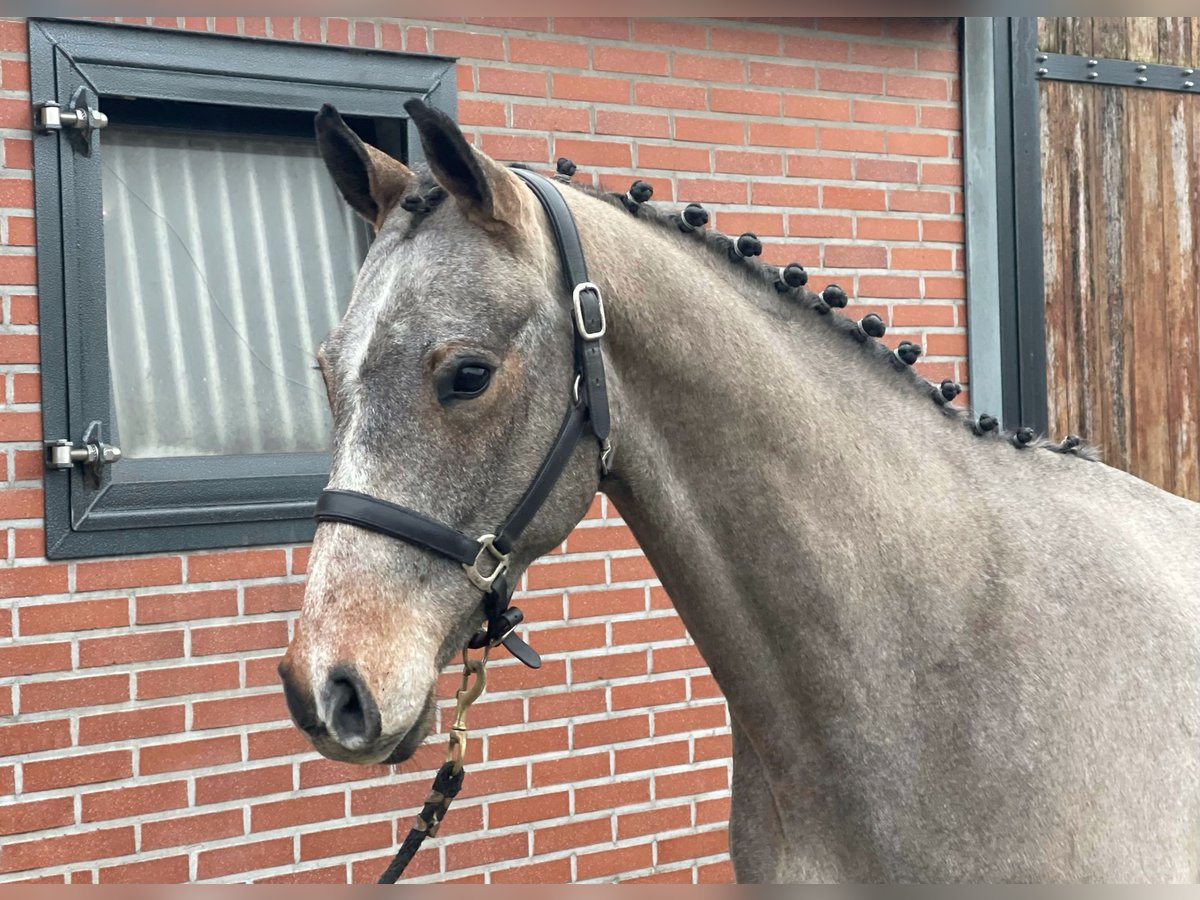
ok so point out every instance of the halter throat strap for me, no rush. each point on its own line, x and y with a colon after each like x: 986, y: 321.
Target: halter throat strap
x: 486, y: 559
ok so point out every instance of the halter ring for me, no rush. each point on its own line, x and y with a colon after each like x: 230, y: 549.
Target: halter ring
x: 481, y: 581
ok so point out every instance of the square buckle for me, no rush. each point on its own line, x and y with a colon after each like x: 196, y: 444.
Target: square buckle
x: 580, y: 326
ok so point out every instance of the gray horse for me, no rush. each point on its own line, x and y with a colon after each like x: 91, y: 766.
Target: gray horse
x: 947, y: 655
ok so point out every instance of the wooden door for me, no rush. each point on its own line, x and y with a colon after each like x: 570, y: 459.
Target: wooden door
x: 1121, y: 217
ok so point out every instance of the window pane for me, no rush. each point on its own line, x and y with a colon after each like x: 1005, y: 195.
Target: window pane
x: 228, y: 258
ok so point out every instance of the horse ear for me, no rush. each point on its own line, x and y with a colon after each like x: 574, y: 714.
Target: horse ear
x: 488, y: 192
x: 370, y: 180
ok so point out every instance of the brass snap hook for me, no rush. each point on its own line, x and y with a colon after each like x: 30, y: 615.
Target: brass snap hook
x: 474, y: 683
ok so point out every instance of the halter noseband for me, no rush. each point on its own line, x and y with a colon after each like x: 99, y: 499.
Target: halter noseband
x: 486, y: 559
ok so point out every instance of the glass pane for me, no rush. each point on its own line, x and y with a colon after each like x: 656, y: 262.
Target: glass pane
x: 227, y: 258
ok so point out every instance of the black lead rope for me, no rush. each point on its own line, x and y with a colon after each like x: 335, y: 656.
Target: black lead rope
x: 486, y: 559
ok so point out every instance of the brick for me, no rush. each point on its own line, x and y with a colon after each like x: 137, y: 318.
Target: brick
x: 31, y: 659
x: 946, y: 117
x: 748, y: 163
x: 51, y: 618
x: 555, y: 871
x: 663, y: 876
x: 611, y: 862
x: 693, y: 718
x: 36, y: 815
x: 569, y: 703
x: 853, y: 198
x: 522, y: 810
x: 950, y: 231
x: 631, y: 568
x: 416, y: 40
x: 528, y: 742
x: 16, y: 192
x: 667, y: 659
x: 612, y: 795
x: 468, y: 43
x: 824, y: 49
x: 586, y: 604
x: 592, y: 153
x: 512, y: 81
x: 854, y: 257
x: 917, y: 144
x: 297, y: 811
x: 811, y: 225
x: 638, y: 124
x: 945, y: 344
x: 670, y: 32
x: 695, y: 781
x: 708, y: 68
x: 610, y: 665
x: 713, y: 746
x: 19, y: 348
x: 19, y: 426
x: 134, y: 800
x: 71, y: 771
x: 484, y: 851
x: 283, y: 27
x: 616, y: 29
x: 128, y: 572
x: 803, y: 106
x: 642, y: 631
x: 745, y: 40
x: 593, y: 88
x: 889, y: 170
x: 564, y: 574
x: 32, y: 581
x: 709, y: 131
x: 193, y: 754
x: 515, y: 147
x: 767, y: 193
x: 656, y: 693
x: 27, y: 388
x: 660, y: 754
x: 612, y: 730
x: 125, y: 726
x: 15, y: 114
x: 127, y: 648
x: 854, y: 140
x: 851, y: 81
x: 888, y: 229
x: 919, y: 201
x: 952, y: 287
x: 183, y: 607
x: 942, y: 173
x: 744, y: 102
x: 337, y: 31
x: 551, y: 118
x: 325, y: 875
x: 242, y: 710
x: 713, y: 810
x: 883, y: 113
x: 199, y: 829
x: 169, y: 870
x: 692, y: 846
x: 237, y: 565
x: 41, y: 696
x: 239, y: 638
x: 624, y: 59
x: 705, y: 190
x: 703, y: 686
x: 67, y: 848
x: 782, y: 75
x: 884, y: 56
x: 888, y: 286
x: 793, y: 137
x: 387, y: 798
x: 922, y: 258
x: 18, y: 153
x: 576, y: 767
x: 653, y: 821
x: 573, y: 835
x: 244, y: 857
x: 32, y: 737
x: 13, y: 38
x: 177, y: 681
x: 944, y: 30
x: 323, y: 772
x: 918, y: 87
x: 674, y: 96
x: 542, y: 52
x: 247, y: 783
x: 23, y: 310
x: 481, y: 112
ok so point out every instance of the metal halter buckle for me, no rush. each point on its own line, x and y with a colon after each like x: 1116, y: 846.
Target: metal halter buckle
x: 579, y: 323
x: 481, y: 581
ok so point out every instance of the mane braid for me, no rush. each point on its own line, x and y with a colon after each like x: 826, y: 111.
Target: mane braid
x: 723, y: 246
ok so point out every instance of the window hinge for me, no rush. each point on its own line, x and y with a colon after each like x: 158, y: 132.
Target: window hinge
x: 90, y: 452
x: 78, y: 120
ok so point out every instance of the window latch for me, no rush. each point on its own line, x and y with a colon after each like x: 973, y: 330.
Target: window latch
x: 91, y: 452
x: 78, y: 120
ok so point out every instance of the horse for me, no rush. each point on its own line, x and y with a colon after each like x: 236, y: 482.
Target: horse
x: 950, y: 652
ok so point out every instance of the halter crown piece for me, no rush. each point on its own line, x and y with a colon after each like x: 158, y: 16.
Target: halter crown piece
x: 486, y: 559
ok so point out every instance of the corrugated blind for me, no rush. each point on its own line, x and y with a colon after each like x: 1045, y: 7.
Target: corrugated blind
x: 228, y: 258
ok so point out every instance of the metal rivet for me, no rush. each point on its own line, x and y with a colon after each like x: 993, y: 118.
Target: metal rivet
x: 1142, y: 79
x: 1187, y: 72
x: 1140, y: 67
x: 1093, y: 74
x: 1042, y: 72
x: 1042, y: 57
x: 1092, y: 63
x: 1189, y: 84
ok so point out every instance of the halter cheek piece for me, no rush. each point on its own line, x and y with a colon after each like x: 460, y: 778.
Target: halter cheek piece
x: 486, y: 559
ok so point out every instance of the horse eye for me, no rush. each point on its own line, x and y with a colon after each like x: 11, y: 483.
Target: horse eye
x: 470, y: 380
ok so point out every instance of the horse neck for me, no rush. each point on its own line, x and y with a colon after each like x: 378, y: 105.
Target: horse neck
x: 777, y: 477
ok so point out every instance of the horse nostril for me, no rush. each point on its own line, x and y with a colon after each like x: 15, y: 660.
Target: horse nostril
x: 350, y: 710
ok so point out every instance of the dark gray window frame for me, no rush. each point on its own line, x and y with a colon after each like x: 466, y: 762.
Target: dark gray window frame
x: 141, y: 506
x: 1003, y: 192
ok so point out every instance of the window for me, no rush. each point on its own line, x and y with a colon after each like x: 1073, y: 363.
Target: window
x: 192, y: 253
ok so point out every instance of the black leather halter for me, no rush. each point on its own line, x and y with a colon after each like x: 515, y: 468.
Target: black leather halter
x: 588, y: 410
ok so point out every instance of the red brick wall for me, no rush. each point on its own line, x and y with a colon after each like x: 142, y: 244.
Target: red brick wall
x: 142, y: 731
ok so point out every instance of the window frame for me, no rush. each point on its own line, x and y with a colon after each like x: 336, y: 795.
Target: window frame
x: 185, y: 503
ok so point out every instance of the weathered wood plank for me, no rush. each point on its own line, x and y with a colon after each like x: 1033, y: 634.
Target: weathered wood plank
x: 1110, y: 37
